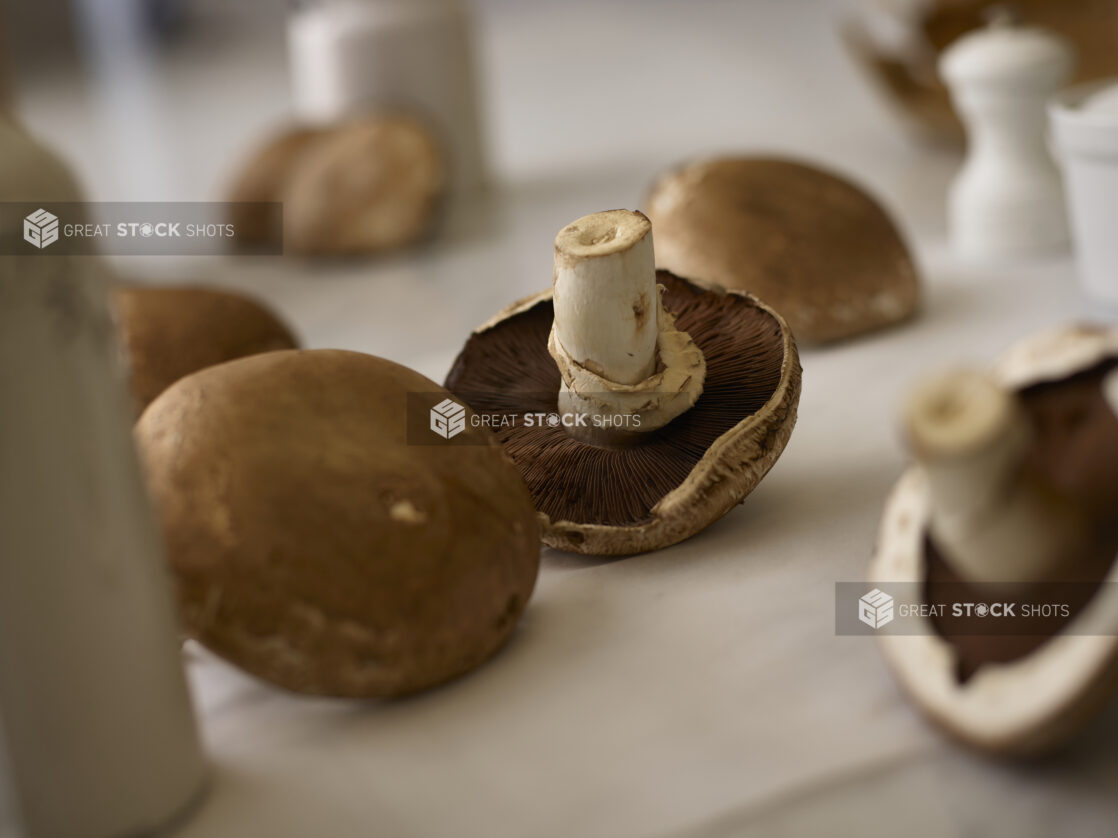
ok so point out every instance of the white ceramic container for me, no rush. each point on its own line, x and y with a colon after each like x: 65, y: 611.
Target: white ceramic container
x: 1007, y: 201
x: 1085, y: 138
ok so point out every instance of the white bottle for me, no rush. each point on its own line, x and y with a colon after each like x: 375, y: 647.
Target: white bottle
x: 1007, y: 201
x: 100, y: 734
x: 1084, y: 124
x: 414, y: 56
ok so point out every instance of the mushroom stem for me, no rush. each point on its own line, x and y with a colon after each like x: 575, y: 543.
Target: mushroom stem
x: 606, y: 295
x: 624, y: 365
x: 994, y: 519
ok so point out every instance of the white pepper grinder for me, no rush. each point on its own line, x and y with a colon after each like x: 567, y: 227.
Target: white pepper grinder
x: 1007, y: 201
x: 98, y: 725
x: 414, y: 56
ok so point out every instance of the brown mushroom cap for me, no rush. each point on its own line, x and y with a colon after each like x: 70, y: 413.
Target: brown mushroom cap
x: 810, y: 244
x: 169, y: 332
x: 261, y: 180
x: 370, y: 185
x: 317, y: 549
x: 1019, y: 694
x: 672, y: 482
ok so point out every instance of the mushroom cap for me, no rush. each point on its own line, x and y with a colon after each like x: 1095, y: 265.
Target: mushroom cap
x: 672, y: 482
x: 809, y: 243
x: 366, y: 186
x: 261, y: 180
x: 315, y: 547
x: 1056, y: 353
x: 169, y: 332
x: 1022, y: 695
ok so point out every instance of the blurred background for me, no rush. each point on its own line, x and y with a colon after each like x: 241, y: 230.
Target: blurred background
x: 158, y: 99
x: 582, y: 105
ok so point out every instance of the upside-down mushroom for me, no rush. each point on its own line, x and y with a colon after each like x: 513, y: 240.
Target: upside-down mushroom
x: 666, y: 402
x: 1014, y: 496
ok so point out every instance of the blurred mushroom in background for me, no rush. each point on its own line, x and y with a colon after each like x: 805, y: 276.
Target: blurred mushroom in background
x: 359, y: 187
x: 170, y: 332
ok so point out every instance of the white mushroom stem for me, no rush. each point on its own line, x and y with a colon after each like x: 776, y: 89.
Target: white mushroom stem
x: 993, y: 519
x: 624, y: 365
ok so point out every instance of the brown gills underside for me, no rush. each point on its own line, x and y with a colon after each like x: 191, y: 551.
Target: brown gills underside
x: 507, y: 370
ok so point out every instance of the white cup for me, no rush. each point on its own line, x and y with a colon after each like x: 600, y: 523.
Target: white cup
x: 1086, y: 145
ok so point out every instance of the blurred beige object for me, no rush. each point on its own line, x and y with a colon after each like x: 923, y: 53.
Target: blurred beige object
x: 168, y: 333
x: 899, y: 42
x: 1000, y: 458
x: 370, y: 185
x: 97, y: 718
x: 812, y: 245
x: 99, y: 725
